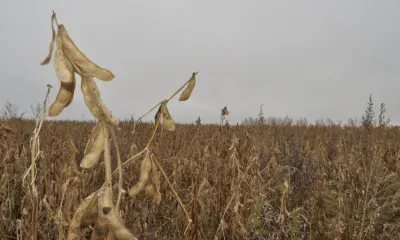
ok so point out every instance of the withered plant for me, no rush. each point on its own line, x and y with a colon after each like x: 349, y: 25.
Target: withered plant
x: 99, y: 211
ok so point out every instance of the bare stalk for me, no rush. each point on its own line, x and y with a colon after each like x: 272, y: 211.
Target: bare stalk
x: 35, y: 151
x: 153, y: 158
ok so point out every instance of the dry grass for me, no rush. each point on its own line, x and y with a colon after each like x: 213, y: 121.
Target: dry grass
x: 237, y: 182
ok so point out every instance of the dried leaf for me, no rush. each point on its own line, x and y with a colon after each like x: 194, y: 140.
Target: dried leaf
x: 189, y: 88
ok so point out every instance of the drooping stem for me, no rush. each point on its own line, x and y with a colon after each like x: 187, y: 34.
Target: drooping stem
x: 177, y: 91
x: 171, y: 97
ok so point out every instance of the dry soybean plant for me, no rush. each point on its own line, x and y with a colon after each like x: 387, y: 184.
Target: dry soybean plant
x: 98, y: 211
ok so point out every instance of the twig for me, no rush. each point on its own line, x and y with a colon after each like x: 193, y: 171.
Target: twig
x: 171, y: 97
x: 34, y: 142
x: 153, y: 158
x: 223, y: 215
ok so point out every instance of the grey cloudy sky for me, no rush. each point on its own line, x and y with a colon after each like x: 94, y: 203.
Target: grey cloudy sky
x: 313, y: 59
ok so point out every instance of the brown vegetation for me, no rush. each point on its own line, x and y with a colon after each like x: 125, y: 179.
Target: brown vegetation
x: 237, y: 182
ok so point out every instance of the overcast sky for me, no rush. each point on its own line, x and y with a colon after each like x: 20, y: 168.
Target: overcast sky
x: 314, y: 59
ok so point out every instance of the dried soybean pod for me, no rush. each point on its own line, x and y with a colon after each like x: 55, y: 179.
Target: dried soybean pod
x: 80, y: 59
x: 145, y: 168
x: 83, y: 217
x: 116, y: 227
x: 53, y: 36
x: 93, y: 102
x: 94, y: 148
x: 64, y: 98
x: 188, y: 90
x: 62, y: 66
x: 65, y: 73
x: 168, y: 122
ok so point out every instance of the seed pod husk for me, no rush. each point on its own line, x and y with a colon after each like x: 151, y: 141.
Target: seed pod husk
x: 145, y: 168
x: 79, y: 59
x: 189, y: 88
x: 85, y: 215
x: 65, y: 73
x: 94, y: 147
x: 93, y: 102
x: 168, y: 122
x: 63, y: 99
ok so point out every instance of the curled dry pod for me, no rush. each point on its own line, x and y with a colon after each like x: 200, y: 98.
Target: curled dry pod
x: 80, y: 59
x: 145, y: 168
x: 65, y: 73
x: 117, y: 228
x: 85, y: 215
x: 53, y: 37
x: 94, y: 147
x: 168, y: 122
x: 91, y: 95
x: 188, y: 90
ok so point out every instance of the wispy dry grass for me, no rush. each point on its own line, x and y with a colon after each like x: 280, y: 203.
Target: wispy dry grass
x: 236, y: 182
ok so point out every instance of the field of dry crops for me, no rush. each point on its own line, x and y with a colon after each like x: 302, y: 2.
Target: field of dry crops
x: 257, y: 182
